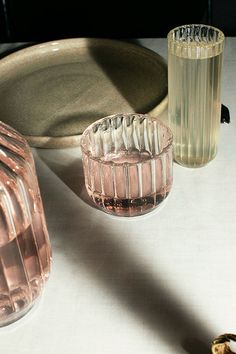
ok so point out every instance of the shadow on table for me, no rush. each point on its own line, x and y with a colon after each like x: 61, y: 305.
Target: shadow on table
x: 114, y: 265
x: 70, y: 172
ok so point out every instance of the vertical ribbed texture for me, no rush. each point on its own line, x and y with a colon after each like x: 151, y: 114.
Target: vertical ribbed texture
x: 25, y: 252
x: 194, y: 82
x: 127, y: 163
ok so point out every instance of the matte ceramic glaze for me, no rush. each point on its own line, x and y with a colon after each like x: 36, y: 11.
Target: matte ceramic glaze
x: 50, y: 92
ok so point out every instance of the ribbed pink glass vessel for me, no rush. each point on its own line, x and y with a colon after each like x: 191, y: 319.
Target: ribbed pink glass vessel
x: 25, y: 252
x: 127, y: 161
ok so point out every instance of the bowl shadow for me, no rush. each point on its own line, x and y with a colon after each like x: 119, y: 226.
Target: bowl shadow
x: 110, y: 260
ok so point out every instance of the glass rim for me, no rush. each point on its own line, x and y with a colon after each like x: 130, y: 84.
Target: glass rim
x: 87, y: 152
x: 202, y: 44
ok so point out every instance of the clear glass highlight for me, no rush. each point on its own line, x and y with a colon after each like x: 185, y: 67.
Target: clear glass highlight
x: 127, y: 160
x: 25, y: 251
x: 195, y: 55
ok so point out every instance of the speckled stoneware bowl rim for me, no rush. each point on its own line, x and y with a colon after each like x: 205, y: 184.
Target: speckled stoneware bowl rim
x: 16, y: 60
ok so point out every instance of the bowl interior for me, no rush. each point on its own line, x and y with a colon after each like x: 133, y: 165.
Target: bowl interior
x: 56, y: 89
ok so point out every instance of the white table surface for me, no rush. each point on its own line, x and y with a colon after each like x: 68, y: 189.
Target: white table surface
x: 162, y: 283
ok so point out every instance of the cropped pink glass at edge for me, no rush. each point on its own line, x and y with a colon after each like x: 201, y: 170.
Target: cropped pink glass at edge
x: 127, y: 160
x: 25, y: 251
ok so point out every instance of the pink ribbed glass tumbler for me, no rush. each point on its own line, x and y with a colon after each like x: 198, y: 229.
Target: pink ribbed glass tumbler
x: 25, y: 252
x: 127, y: 160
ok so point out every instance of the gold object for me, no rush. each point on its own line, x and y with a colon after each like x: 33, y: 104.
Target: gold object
x: 221, y: 344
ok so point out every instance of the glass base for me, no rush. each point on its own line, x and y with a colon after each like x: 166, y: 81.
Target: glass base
x: 149, y: 213
x: 193, y: 163
x: 16, y: 316
x: 128, y: 207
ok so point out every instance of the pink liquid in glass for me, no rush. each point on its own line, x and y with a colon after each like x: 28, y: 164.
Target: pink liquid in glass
x: 25, y: 252
x: 127, y: 173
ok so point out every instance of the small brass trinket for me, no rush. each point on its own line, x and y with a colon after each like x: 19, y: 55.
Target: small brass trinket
x: 221, y: 344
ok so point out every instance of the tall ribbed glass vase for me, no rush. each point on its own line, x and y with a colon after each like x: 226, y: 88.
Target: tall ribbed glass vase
x: 195, y: 54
